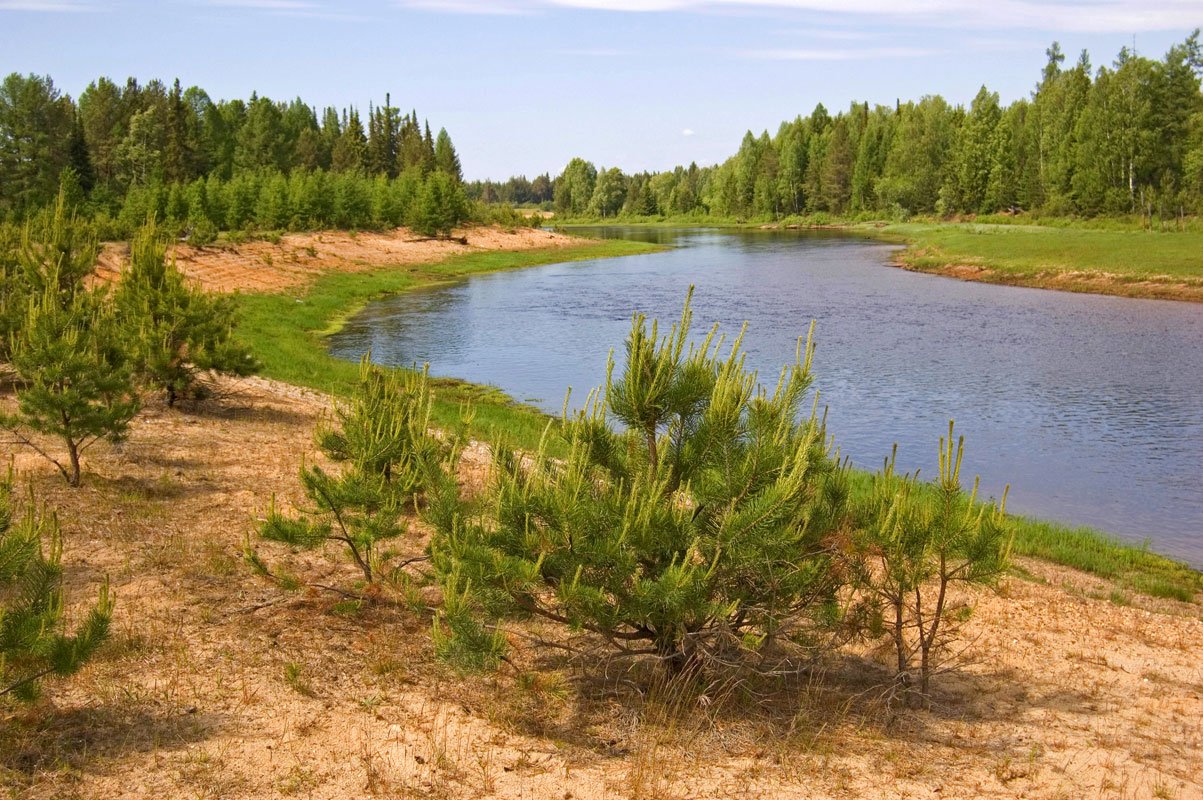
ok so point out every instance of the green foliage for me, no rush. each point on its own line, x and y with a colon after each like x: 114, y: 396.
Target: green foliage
x: 135, y: 151
x: 381, y: 437
x: 73, y: 380
x: 699, y: 528
x: 175, y: 331
x: 1127, y: 139
x: 58, y: 249
x: 74, y: 383
x: 33, y: 644
x: 914, y: 543
x: 440, y: 206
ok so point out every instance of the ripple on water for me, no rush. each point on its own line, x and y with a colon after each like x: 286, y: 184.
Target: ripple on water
x: 1089, y: 406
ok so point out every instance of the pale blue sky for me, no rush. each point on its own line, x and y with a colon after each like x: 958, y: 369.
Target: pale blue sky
x: 524, y: 85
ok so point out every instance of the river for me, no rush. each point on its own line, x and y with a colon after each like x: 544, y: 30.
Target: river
x: 1091, y: 407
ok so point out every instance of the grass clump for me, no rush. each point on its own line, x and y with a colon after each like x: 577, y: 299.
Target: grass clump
x: 1131, y: 566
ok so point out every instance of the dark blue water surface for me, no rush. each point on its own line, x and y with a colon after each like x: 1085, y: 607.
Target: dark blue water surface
x: 1091, y: 407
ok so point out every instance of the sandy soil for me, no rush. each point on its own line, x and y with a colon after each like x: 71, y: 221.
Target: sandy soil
x: 298, y: 258
x: 1062, y: 696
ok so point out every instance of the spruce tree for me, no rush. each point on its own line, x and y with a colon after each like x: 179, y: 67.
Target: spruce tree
x: 445, y: 157
x: 175, y: 331
x: 698, y: 529
x: 32, y: 642
x: 73, y: 380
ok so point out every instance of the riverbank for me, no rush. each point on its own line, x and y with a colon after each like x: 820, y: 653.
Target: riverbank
x: 1148, y: 264
x: 1099, y: 257
x: 218, y: 684
x: 287, y: 331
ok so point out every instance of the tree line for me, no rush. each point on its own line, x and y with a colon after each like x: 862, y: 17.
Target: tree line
x: 1123, y: 139
x: 135, y: 150
x: 517, y: 191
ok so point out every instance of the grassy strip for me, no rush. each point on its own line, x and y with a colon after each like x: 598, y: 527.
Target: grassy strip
x: 286, y: 331
x: 1129, y: 566
x: 1031, y: 251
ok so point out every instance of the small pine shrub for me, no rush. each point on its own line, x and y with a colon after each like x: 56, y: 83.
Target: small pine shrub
x: 695, y: 530
x: 914, y: 544
x: 388, y: 455
x: 33, y: 644
x: 175, y: 331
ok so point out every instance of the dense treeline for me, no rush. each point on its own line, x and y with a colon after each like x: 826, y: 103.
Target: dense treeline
x: 1122, y: 139
x: 517, y: 191
x: 135, y: 150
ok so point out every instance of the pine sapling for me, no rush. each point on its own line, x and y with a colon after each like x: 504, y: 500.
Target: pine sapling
x: 73, y: 382
x: 698, y: 531
x: 33, y: 644
x: 175, y: 331
x: 381, y: 439
x: 915, y: 543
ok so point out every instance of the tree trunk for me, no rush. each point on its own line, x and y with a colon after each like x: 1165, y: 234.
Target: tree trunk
x: 73, y: 454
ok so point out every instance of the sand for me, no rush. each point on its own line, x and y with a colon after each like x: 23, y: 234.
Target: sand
x: 298, y: 258
x: 1063, y: 694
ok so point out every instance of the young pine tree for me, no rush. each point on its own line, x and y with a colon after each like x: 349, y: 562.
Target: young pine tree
x: 73, y: 380
x: 440, y: 205
x: 54, y: 248
x: 381, y: 438
x: 914, y: 543
x: 175, y: 331
x: 702, y: 527
x: 32, y: 642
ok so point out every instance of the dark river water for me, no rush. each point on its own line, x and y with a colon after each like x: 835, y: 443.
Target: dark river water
x: 1091, y: 407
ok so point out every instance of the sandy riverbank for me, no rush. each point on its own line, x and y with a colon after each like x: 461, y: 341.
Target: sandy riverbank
x: 1063, y: 693
x: 298, y: 258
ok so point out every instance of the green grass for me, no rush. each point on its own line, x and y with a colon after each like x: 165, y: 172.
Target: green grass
x: 287, y: 332
x: 1129, y: 566
x: 1029, y: 253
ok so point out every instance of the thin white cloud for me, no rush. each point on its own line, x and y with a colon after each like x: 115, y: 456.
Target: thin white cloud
x: 486, y: 7
x: 687, y: 132
x: 594, y: 52
x: 44, y: 5
x: 839, y: 54
x: 266, y: 5
x: 1093, y: 16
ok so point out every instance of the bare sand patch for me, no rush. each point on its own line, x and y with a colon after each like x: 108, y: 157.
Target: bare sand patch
x: 298, y: 258
x: 1063, y: 695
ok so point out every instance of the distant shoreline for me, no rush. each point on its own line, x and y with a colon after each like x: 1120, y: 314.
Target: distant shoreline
x: 1117, y: 262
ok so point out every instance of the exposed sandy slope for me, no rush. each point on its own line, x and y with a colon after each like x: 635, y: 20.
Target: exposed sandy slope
x: 1066, y: 696
x: 262, y: 266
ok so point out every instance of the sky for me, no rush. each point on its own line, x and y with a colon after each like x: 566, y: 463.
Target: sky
x: 523, y: 86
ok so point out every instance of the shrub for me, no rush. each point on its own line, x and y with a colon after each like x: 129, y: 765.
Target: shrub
x: 175, y: 331
x: 32, y: 642
x: 74, y: 382
x: 383, y: 441
x: 700, y: 529
x: 914, y: 543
